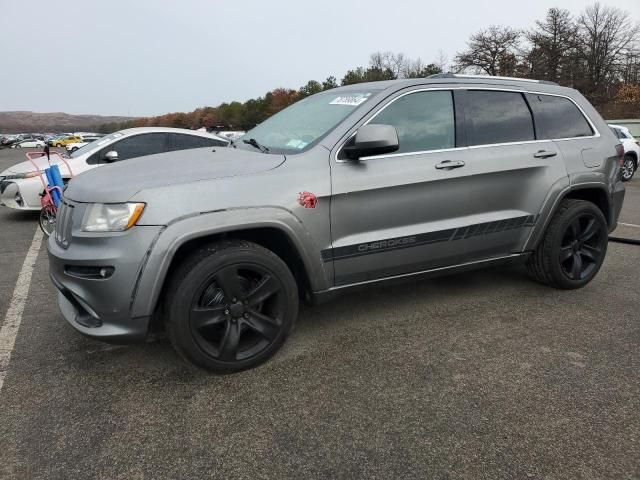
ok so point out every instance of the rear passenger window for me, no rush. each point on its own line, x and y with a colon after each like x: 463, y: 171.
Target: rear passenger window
x: 423, y: 120
x: 497, y: 117
x: 558, y: 117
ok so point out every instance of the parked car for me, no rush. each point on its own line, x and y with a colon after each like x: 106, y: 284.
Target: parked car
x: 353, y: 186
x: 29, y: 143
x: 631, y: 151
x: 63, y: 141
x: 9, y: 140
x: 72, y: 147
x: 20, y: 185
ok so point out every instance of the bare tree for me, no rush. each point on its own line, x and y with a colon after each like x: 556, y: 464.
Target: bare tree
x: 553, y: 47
x: 605, y: 34
x: 395, y: 62
x: 629, y: 65
x: 492, y: 51
x: 442, y: 61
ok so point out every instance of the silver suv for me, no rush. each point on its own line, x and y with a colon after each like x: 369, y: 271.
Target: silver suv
x: 349, y: 187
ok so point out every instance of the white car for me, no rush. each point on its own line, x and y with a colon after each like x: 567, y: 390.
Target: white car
x: 21, y: 186
x: 631, y: 151
x: 29, y: 143
x: 72, y: 147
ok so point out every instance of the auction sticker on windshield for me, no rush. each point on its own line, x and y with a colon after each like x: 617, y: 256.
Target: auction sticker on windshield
x: 351, y: 100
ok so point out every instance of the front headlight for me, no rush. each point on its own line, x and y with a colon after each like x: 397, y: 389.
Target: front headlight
x: 111, y: 217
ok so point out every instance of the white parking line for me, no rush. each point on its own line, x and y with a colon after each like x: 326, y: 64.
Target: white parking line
x: 13, y: 318
x: 628, y: 225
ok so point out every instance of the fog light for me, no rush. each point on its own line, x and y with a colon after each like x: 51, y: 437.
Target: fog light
x: 89, y: 273
x: 18, y: 199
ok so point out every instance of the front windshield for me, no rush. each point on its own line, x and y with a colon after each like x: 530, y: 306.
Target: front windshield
x: 307, y: 121
x: 96, y: 143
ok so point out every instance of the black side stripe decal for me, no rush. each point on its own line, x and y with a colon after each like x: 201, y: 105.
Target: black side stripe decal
x: 449, y: 235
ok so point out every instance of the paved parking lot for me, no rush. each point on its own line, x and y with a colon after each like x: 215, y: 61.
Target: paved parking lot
x: 480, y: 375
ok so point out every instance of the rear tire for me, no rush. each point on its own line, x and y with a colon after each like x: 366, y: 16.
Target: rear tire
x: 230, y: 306
x: 628, y: 168
x: 573, y: 247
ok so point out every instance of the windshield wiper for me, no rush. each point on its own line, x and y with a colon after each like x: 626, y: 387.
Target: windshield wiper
x: 254, y: 143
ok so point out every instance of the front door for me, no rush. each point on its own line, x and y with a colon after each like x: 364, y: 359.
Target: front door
x: 394, y: 214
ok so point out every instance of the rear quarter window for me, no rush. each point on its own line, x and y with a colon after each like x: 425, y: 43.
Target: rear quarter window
x: 558, y: 117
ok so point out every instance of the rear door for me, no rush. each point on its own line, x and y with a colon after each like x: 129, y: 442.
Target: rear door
x: 514, y: 170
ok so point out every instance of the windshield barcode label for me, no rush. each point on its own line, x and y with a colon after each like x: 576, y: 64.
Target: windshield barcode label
x: 352, y: 100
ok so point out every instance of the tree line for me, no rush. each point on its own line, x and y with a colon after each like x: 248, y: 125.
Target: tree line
x: 596, y: 51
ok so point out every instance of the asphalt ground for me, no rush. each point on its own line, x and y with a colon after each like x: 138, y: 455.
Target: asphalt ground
x: 483, y: 375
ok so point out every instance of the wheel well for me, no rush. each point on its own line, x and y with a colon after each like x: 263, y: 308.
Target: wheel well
x: 270, y: 238
x: 596, y: 196
x: 633, y: 155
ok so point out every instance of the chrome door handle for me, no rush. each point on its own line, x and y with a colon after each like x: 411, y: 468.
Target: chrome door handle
x: 544, y: 154
x: 449, y: 164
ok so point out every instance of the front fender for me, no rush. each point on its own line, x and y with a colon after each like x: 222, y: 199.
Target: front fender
x: 163, y: 249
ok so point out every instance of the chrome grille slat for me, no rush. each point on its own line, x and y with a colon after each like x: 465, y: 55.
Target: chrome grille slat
x: 64, y: 223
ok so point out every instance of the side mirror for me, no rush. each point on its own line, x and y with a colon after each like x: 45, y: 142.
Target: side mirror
x: 372, y: 140
x: 111, y: 156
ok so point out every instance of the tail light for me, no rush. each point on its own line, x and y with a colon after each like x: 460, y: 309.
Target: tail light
x: 620, y: 152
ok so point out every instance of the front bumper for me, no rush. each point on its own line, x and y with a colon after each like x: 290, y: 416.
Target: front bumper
x: 101, y: 307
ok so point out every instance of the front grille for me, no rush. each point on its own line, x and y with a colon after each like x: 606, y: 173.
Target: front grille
x: 64, y: 222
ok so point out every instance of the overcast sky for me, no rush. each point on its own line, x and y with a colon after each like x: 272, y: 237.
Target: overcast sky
x: 148, y: 57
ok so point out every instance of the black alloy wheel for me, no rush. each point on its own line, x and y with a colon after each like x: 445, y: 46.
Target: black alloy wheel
x: 237, y: 313
x: 573, y: 246
x: 581, y: 249
x: 230, y: 306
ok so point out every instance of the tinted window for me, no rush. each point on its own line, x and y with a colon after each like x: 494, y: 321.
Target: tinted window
x: 138, y: 146
x: 497, y: 117
x: 558, y: 117
x: 179, y: 141
x: 423, y: 120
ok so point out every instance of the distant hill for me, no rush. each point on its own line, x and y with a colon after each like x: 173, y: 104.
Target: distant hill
x: 19, y: 122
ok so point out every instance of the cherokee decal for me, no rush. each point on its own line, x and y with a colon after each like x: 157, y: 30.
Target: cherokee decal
x: 449, y: 235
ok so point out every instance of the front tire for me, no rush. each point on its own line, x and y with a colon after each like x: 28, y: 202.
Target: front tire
x: 573, y: 247
x: 628, y: 168
x: 230, y: 306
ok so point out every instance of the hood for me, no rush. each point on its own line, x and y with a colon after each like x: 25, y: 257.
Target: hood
x: 41, y: 162
x: 120, y: 181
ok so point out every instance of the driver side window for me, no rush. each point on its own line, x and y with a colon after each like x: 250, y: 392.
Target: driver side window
x: 424, y: 121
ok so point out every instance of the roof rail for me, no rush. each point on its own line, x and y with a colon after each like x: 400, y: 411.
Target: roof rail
x: 495, y: 77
